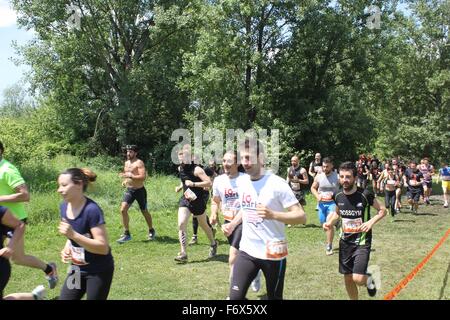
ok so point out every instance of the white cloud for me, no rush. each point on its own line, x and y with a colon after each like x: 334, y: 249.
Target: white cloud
x: 7, y: 14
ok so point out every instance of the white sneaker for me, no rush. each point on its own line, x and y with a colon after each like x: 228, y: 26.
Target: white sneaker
x: 256, y: 284
x: 375, y: 271
x: 39, y: 293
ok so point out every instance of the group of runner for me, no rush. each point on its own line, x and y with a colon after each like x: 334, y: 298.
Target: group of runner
x: 256, y: 205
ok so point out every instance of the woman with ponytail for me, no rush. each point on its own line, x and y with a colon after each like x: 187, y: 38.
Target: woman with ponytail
x: 87, y: 248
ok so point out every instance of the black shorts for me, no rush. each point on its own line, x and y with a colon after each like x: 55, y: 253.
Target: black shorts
x: 5, y: 273
x: 414, y: 194
x: 10, y: 232
x: 353, y: 258
x: 300, y: 197
x: 196, y: 207
x: 429, y: 184
x: 140, y: 195
x: 235, y: 238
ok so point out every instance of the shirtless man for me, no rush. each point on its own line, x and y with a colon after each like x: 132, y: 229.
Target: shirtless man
x: 134, y: 177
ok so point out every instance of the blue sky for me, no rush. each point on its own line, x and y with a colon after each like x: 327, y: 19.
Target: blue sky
x: 9, y: 72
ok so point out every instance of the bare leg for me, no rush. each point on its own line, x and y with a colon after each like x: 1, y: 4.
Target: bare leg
x: 125, y: 217
x: 148, y: 218
x: 183, y: 218
x: 20, y: 258
x: 350, y: 286
x: 204, y: 225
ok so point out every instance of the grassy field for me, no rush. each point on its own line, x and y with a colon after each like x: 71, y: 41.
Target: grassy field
x: 146, y: 270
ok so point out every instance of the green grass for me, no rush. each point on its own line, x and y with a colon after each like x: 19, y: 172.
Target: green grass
x: 146, y: 270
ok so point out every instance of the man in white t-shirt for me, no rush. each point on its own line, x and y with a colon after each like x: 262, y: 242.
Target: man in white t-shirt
x: 267, y: 205
x: 226, y: 197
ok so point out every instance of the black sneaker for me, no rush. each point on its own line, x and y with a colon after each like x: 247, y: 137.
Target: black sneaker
x: 371, y: 287
x: 151, y: 235
x: 213, y: 250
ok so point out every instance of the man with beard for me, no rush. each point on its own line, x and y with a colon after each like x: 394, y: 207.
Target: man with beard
x: 226, y: 197
x: 412, y: 179
x: 134, y: 177
x: 296, y: 177
x: 353, y: 207
x: 267, y: 205
x: 325, y: 185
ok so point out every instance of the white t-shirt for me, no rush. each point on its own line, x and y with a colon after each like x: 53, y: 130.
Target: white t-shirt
x: 261, y: 238
x: 226, y: 189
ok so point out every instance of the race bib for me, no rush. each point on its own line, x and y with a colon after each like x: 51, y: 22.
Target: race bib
x: 326, y: 196
x: 351, y: 225
x: 391, y: 182
x: 190, y: 195
x: 276, y: 249
x: 78, y: 256
x: 295, y: 186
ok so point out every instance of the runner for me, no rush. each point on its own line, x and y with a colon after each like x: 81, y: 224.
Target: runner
x: 87, y: 248
x: 211, y: 171
x: 392, y: 184
x: 296, y: 177
x: 13, y: 194
x: 383, y: 175
x: 353, y: 207
x: 194, y: 200
x: 134, y: 176
x: 398, y: 170
x: 444, y: 175
x: 427, y: 171
x: 315, y: 167
x: 412, y: 179
x: 363, y: 172
x: 264, y: 197
x: 226, y: 197
x: 324, y: 186
x: 375, y: 173
x: 9, y: 222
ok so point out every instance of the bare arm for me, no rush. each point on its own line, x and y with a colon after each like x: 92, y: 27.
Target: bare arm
x: 315, y: 189
x: 305, y: 179
x: 200, y: 173
x: 11, y: 221
x: 365, y: 227
x: 215, y: 205
x: 21, y: 195
x: 97, y: 245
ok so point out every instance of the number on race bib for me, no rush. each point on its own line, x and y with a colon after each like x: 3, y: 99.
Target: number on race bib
x: 351, y: 225
x: 78, y: 256
x: 276, y: 249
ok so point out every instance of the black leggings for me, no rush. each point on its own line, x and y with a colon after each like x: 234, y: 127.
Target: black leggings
x: 195, y: 224
x: 389, y: 200
x: 5, y: 273
x: 245, y: 270
x: 96, y: 285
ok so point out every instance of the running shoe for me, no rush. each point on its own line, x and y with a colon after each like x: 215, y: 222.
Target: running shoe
x: 371, y: 287
x: 39, y: 293
x: 329, y: 250
x: 181, y: 257
x: 151, y: 234
x: 124, y: 238
x: 213, y: 250
x: 52, y: 277
x: 373, y: 280
x: 256, y: 283
x: 427, y: 201
x: 446, y: 205
x: 193, y: 241
x: 397, y: 211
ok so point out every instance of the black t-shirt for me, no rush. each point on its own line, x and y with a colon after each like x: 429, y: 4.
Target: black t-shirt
x: 362, y: 168
x: 354, y: 210
x: 414, y: 176
x: 91, y: 216
x: 295, y: 172
x: 187, y: 173
x: 3, y: 229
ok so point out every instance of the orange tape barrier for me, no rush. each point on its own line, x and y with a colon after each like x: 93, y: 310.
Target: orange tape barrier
x: 394, y: 292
